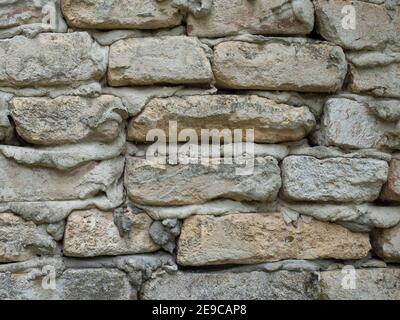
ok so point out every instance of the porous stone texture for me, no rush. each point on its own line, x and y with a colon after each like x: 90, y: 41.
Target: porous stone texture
x: 281, y: 285
x: 271, y: 122
x: 277, y: 17
x: 254, y: 238
x: 337, y: 179
x: 165, y: 60
x: 391, y: 190
x: 386, y: 243
x: 150, y: 183
x: 51, y: 60
x: 370, y: 284
x: 91, y: 233
x: 114, y: 14
x: 279, y: 64
x: 67, y: 119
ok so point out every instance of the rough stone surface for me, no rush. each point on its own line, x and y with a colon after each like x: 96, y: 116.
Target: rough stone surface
x: 51, y: 60
x: 227, y: 17
x: 281, y: 285
x: 336, y: 179
x: 391, y: 190
x: 371, y: 284
x: 377, y: 25
x: 254, y: 238
x: 92, y: 233
x: 114, y: 14
x: 271, y: 122
x: 270, y: 65
x: 165, y: 60
x: 152, y: 183
x: 65, y: 120
x: 21, y: 240
x: 386, y: 243
x: 351, y: 124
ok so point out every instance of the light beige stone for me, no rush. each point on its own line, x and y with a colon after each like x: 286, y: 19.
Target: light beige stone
x: 273, y: 17
x: 271, y: 122
x: 149, y: 182
x: 22, y: 240
x: 280, y: 64
x: 68, y: 119
x: 164, y: 60
x: 91, y: 233
x: 116, y: 14
x: 386, y: 243
x: 254, y: 238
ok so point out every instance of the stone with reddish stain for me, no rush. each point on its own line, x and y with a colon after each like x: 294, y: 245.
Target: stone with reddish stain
x: 391, y: 190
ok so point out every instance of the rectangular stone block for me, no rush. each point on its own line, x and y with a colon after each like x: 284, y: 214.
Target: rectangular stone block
x: 369, y: 284
x: 51, y: 60
x: 115, y: 14
x: 391, y: 190
x: 68, y: 119
x: 280, y: 64
x: 232, y: 17
x: 19, y: 182
x: 351, y: 124
x: 386, y: 243
x: 164, y: 60
x: 254, y: 238
x: 307, y: 178
x: 21, y: 240
x: 151, y: 183
x: 91, y: 233
x: 271, y: 122
x: 359, y: 25
x: 281, y: 285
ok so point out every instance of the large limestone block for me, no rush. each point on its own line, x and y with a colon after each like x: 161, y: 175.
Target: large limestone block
x: 391, y: 190
x: 351, y: 124
x: 116, y: 14
x: 51, y: 60
x: 91, y: 233
x: 165, y: 60
x: 21, y: 240
x: 386, y: 243
x: 231, y: 17
x: 151, y: 183
x: 376, y: 25
x: 25, y: 183
x: 271, y: 122
x: 254, y: 238
x: 280, y: 64
x: 368, y: 284
x: 281, y: 285
x: 307, y: 178
x: 68, y: 119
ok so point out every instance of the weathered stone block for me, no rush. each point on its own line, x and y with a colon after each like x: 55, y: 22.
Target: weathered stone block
x: 254, y: 238
x: 93, y: 233
x: 391, y: 190
x: 227, y: 17
x: 164, y: 60
x: 152, y: 183
x: 23, y: 183
x: 21, y: 240
x: 271, y: 122
x: 51, y: 60
x: 376, y: 25
x: 68, y: 119
x: 280, y: 64
x: 281, y: 285
x: 114, y: 14
x: 351, y: 124
x: 336, y: 179
x: 370, y: 284
x: 386, y: 243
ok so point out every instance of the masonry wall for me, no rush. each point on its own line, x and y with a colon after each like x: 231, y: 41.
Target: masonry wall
x: 92, y: 208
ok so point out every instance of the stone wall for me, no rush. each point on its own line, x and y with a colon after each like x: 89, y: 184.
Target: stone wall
x: 308, y: 207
